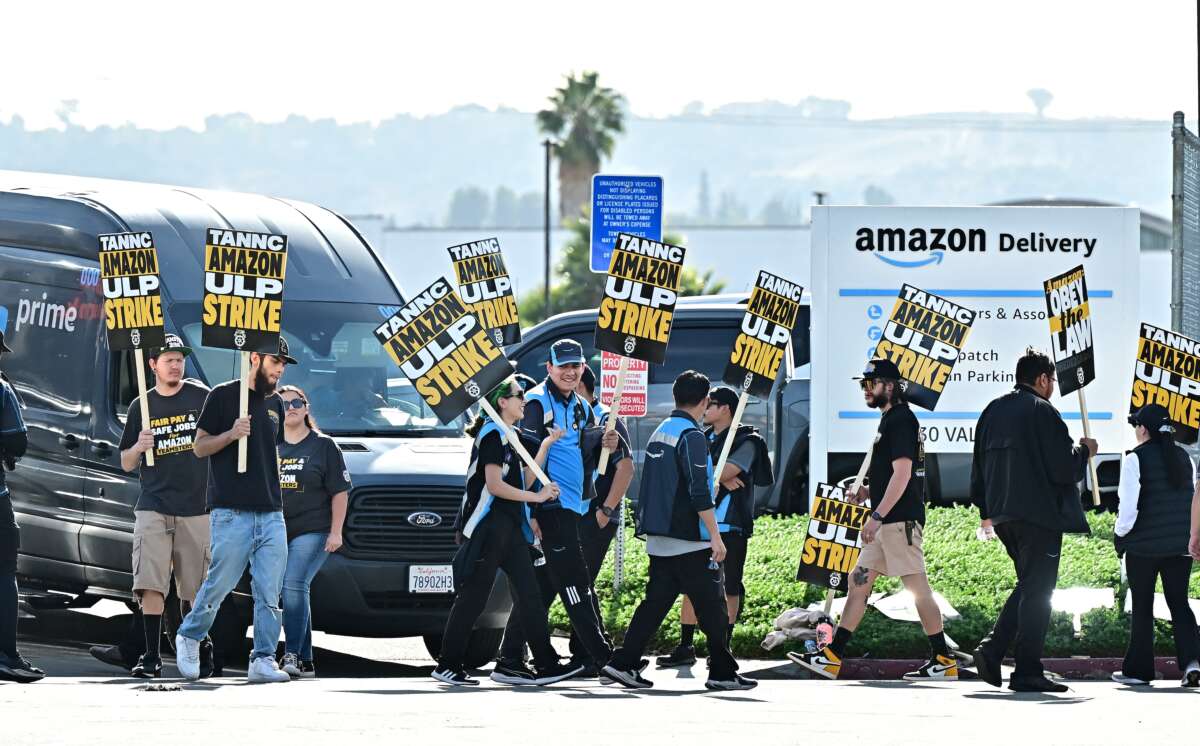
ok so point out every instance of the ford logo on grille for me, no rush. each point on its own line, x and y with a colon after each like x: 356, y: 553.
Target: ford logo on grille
x: 424, y: 519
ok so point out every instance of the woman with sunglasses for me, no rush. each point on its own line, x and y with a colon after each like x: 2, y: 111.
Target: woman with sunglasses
x: 315, y: 484
x: 494, y: 522
x: 1155, y: 496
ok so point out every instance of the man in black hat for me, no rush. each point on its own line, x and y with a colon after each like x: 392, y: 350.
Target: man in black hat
x: 892, y: 537
x: 13, y: 667
x: 1024, y: 479
x: 246, y: 514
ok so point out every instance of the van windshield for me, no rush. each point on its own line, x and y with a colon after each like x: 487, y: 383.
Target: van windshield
x: 353, y: 387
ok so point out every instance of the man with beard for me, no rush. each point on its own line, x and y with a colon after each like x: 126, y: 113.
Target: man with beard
x: 246, y: 514
x: 551, y: 404
x: 892, y: 536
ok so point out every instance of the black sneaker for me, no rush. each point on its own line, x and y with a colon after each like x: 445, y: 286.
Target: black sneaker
x: 587, y: 666
x: 16, y: 668
x: 113, y: 656
x: 206, y: 658
x: 737, y: 683
x: 682, y: 655
x: 513, y: 673
x: 605, y: 679
x: 453, y: 677
x: 558, y: 671
x: 629, y: 679
x: 148, y: 667
x: 1191, y: 678
x: 1036, y: 684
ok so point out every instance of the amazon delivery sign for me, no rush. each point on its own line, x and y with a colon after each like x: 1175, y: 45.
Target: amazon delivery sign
x: 992, y: 260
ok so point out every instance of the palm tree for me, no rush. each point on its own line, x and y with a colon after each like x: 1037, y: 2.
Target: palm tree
x: 584, y: 118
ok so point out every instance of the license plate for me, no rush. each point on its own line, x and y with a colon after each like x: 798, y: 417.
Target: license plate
x: 431, y: 579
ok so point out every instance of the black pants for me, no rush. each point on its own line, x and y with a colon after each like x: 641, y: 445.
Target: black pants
x: 565, y: 573
x: 669, y: 577
x: 1026, y: 615
x: 9, y: 541
x: 503, y: 548
x: 595, y: 542
x: 1175, y: 572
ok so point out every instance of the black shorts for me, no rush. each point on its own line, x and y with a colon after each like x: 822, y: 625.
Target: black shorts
x: 735, y: 564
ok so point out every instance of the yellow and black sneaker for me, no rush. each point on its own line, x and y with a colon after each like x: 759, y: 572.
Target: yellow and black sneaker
x: 824, y: 662
x: 939, y: 668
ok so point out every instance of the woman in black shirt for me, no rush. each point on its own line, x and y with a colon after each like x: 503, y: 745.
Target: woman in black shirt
x: 494, y: 523
x: 315, y: 483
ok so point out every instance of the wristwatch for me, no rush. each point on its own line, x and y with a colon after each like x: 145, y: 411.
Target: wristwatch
x: 875, y: 515
x: 607, y: 511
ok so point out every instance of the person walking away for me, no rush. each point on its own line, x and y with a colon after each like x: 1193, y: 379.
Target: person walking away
x: 246, y: 514
x: 1024, y: 479
x: 554, y: 403
x: 1152, y: 530
x: 609, y: 488
x: 676, y: 515
x: 13, y: 441
x: 497, y: 535
x: 315, y: 484
x: 893, y: 536
x: 747, y: 466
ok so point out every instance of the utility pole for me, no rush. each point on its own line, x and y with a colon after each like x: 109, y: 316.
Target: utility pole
x: 548, y: 144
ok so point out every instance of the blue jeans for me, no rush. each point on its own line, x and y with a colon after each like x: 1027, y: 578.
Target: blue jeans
x: 306, y: 554
x: 241, y: 537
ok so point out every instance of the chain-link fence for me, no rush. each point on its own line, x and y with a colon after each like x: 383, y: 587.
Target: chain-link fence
x: 1185, y: 230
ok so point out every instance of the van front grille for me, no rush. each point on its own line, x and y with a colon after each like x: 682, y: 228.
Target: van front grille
x: 378, y: 525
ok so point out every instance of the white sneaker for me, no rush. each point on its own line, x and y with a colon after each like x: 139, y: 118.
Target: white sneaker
x: 1121, y: 678
x: 187, y: 657
x: 265, y: 671
x: 291, y: 665
x: 1191, y: 677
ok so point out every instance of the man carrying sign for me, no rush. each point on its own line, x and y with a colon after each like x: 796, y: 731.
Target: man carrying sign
x: 892, y: 537
x: 246, y: 516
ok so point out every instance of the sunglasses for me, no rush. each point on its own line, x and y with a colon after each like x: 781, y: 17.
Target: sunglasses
x: 867, y: 385
x: 297, y: 404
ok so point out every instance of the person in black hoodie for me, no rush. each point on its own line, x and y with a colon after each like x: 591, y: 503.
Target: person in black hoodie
x: 1152, y: 534
x: 747, y: 466
x: 1024, y: 480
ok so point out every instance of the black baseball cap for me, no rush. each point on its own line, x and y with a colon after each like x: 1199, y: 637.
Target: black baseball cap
x: 566, y: 352
x: 4, y: 347
x: 723, y: 395
x: 173, y: 343
x: 283, y: 352
x: 879, y: 367
x: 1153, y: 417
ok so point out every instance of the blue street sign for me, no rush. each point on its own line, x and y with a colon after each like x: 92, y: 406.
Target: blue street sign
x: 623, y: 204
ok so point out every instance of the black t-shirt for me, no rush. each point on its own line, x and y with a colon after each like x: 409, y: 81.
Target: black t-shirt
x: 492, y: 449
x: 899, y: 436
x: 257, y: 489
x: 311, y: 472
x: 603, y: 482
x: 177, y: 482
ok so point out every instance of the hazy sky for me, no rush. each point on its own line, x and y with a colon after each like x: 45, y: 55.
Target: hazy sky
x: 163, y: 64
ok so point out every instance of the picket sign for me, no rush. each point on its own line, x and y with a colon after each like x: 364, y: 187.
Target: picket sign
x: 143, y: 401
x: 854, y: 487
x: 515, y: 441
x: 602, y: 468
x: 243, y: 408
x: 1087, y: 433
x: 728, y: 444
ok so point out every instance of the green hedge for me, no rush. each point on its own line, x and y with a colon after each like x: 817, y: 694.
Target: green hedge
x: 975, y: 577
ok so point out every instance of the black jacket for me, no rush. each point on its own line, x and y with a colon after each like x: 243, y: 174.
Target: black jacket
x: 1026, y: 467
x: 740, y: 516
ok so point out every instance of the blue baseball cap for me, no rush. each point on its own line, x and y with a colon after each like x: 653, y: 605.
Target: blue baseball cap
x: 566, y: 352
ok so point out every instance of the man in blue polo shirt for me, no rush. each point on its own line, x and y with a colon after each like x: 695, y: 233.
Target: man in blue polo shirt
x: 551, y: 404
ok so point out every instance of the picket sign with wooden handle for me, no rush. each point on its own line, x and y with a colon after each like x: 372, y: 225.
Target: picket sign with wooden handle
x: 515, y: 441
x: 618, y: 392
x: 1087, y: 433
x: 854, y: 487
x: 143, y: 401
x: 728, y: 444
x: 243, y: 409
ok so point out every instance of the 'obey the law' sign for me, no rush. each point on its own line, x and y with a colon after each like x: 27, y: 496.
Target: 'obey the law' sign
x: 1071, y: 338
x: 763, y: 338
x: 243, y: 289
x: 923, y: 337
x: 444, y: 350
x: 640, y: 293
x: 132, y: 291
x: 484, y: 285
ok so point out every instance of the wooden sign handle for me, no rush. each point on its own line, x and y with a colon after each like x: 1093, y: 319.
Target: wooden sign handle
x: 862, y: 470
x: 515, y: 441
x: 243, y: 409
x: 1087, y: 433
x: 618, y: 392
x: 139, y: 360
x: 728, y: 444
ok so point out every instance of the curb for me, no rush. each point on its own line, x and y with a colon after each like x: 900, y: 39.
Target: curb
x: 868, y: 669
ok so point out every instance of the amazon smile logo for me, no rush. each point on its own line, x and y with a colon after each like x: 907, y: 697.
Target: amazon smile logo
x: 912, y: 263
